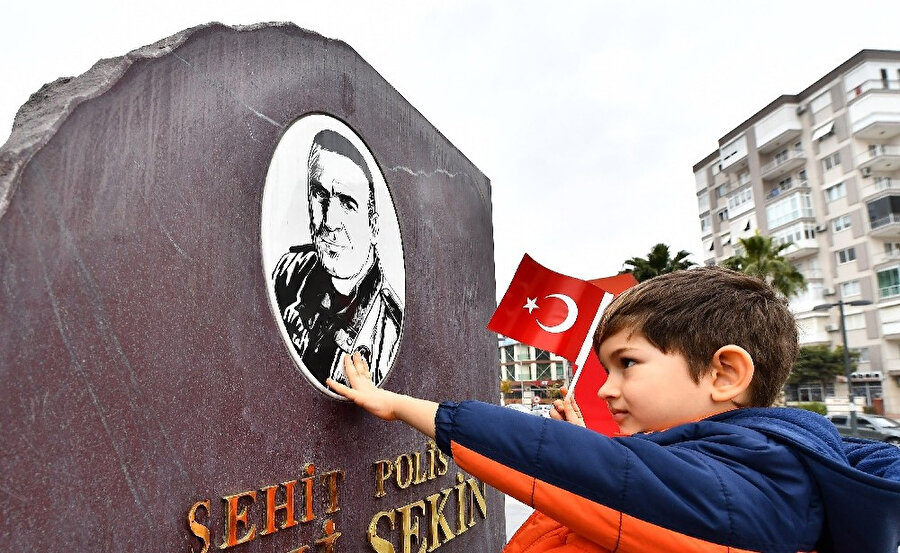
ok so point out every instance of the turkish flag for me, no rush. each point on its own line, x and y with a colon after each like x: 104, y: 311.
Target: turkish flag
x: 594, y: 410
x: 617, y: 284
x: 547, y: 310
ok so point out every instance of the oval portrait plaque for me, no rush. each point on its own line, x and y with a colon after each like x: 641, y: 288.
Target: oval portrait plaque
x: 332, y: 251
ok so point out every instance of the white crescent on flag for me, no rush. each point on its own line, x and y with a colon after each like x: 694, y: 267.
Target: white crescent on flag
x: 571, y: 315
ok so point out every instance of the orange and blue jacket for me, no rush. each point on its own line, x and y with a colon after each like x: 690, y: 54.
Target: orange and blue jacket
x: 777, y: 480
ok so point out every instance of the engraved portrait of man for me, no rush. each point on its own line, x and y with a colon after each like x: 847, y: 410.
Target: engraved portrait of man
x: 331, y: 293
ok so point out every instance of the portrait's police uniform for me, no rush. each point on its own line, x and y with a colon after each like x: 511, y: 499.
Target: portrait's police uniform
x: 330, y: 324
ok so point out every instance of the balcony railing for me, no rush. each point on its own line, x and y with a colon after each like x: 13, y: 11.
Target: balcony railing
x: 884, y: 221
x: 782, y: 188
x: 872, y: 84
x: 877, y: 150
x: 889, y: 291
x: 781, y: 160
x: 879, y: 185
x: 886, y: 257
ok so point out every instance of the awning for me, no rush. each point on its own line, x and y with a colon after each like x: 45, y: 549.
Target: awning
x: 823, y: 131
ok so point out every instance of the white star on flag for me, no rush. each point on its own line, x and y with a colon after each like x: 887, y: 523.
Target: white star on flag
x: 531, y: 304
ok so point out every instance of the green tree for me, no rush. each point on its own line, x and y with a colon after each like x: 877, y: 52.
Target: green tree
x: 820, y: 364
x: 658, y: 262
x: 763, y: 259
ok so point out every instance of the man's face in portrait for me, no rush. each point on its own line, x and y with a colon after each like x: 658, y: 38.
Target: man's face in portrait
x: 339, y: 214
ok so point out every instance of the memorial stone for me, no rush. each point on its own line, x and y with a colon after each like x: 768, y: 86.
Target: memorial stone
x: 190, y: 236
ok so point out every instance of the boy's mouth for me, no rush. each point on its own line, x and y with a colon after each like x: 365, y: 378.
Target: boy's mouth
x: 618, y: 414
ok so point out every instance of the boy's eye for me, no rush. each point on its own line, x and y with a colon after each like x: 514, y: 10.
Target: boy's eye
x: 626, y: 362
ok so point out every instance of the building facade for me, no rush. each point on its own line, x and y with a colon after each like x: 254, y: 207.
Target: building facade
x: 530, y: 373
x: 821, y: 169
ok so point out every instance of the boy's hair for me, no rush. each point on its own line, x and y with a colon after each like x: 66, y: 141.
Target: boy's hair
x: 697, y: 311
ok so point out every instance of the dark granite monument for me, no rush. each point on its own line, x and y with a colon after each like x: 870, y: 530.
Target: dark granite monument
x: 190, y: 236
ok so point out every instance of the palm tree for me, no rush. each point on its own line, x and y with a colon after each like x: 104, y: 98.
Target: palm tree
x: 658, y: 262
x: 762, y: 258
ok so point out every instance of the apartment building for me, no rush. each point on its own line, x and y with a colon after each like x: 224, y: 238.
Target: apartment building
x: 531, y: 372
x: 821, y: 169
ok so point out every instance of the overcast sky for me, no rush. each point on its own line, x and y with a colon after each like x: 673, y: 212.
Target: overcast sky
x: 587, y: 116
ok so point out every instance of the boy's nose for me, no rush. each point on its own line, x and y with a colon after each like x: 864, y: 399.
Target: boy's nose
x: 610, y: 388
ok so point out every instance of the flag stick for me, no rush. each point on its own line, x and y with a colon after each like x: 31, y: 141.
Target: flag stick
x: 588, y: 342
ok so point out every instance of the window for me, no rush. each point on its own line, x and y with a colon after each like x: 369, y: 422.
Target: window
x: 784, y: 183
x: 884, y: 211
x: 723, y: 215
x: 801, y: 176
x: 846, y: 255
x: 863, y: 354
x: 835, y: 192
x: 509, y: 353
x: 706, y: 224
x: 892, y: 249
x: 703, y: 202
x: 849, y: 289
x: 744, y: 178
x: 831, y: 161
x: 741, y: 198
x: 840, y: 223
x: 523, y: 352
x: 509, y: 372
x: 544, y: 371
x: 857, y: 321
x: 820, y: 102
x: 794, y: 233
x: 793, y: 207
x: 781, y: 157
x: 721, y: 190
x: 888, y: 283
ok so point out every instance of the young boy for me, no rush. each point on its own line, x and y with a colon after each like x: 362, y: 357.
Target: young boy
x: 694, y: 358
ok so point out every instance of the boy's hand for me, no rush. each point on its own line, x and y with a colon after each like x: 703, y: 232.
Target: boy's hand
x: 566, y: 409
x: 418, y: 413
x: 362, y: 391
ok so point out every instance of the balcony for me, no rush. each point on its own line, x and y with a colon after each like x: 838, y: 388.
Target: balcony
x: 878, y: 186
x: 876, y: 115
x: 889, y: 292
x: 813, y: 274
x: 734, y: 155
x: 890, y: 330
x: 783, y: 164
x: 813, y: 338
x: 870, y: 85
x: 892, y: 366
x: 879, y: 158
x: 885, y: 257
x: 801, y: 248
x: 886, y: 227
x: 780, y: 128
x: 782, y: 188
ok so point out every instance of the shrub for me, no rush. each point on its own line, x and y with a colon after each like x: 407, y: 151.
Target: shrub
x: 814, y: 406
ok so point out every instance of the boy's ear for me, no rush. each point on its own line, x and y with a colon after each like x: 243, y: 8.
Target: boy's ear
x: 732, y: 369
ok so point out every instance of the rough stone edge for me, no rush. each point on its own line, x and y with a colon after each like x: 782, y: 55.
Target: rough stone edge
x: 39, y: 118
x: 37, y: 121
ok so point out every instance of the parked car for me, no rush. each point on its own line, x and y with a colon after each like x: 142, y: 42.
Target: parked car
x: 872, y: 427
x: 519, y: 407
x: 542, y: 410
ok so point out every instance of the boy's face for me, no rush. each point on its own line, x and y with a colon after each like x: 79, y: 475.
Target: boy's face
x: 648, y: 390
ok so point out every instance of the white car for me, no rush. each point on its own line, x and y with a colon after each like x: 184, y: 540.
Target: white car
x: 519, y: 407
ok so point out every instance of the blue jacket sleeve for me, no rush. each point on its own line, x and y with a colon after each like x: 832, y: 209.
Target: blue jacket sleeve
x: 716, y: 482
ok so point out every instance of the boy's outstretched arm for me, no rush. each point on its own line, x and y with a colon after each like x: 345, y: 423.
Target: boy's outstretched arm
x: 384, y: 404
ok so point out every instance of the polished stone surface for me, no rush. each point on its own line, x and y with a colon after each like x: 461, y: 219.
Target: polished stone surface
x: 141, y: 367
